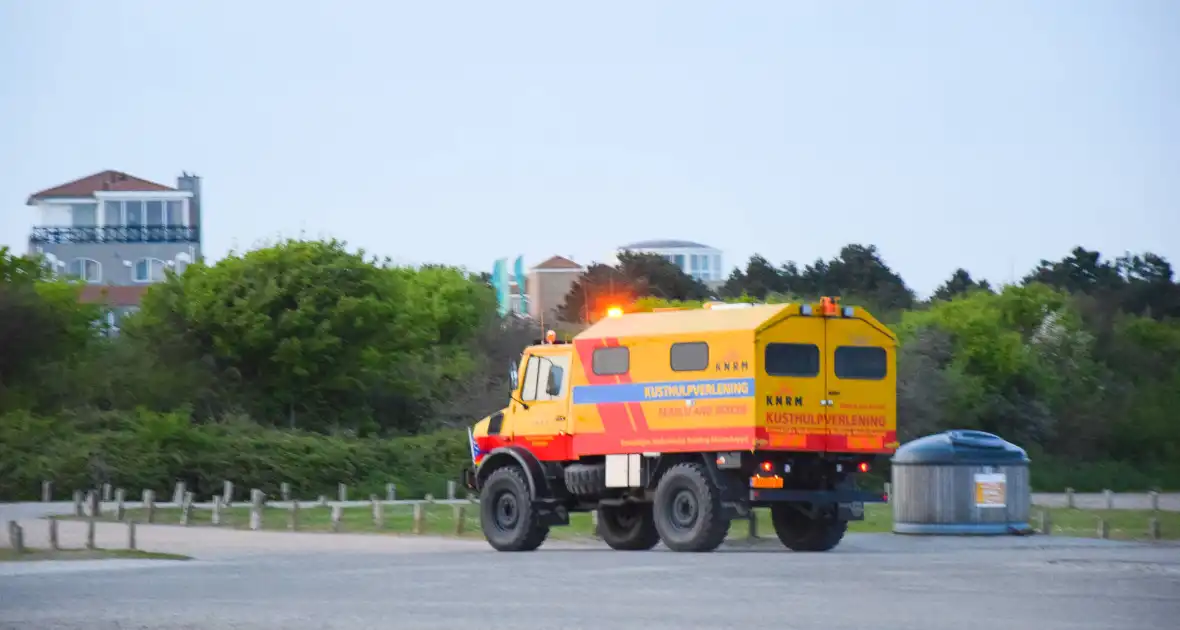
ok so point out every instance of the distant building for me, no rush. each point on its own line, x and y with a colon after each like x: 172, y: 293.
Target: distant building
x: 699, y: 261
x: 118, y: 233
x: 547, y: 285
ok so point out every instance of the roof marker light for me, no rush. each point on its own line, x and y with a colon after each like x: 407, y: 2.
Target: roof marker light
x: 614, y: 311
x: 847, y: 311
x: 805, y: 309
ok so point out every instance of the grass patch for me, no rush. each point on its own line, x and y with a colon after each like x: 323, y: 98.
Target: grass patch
x: 10, y: 555
x: 439, y: 519
x: 1123, y: 524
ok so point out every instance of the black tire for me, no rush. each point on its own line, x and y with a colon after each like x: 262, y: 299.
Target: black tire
x: 585, y: 479
x: 687, y: 509
x: 628, y: 527
x: 506, y: 513
x: 799, y: 532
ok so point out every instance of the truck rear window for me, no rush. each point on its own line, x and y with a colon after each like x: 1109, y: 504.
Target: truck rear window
x: 690, y: 356
x: 608, y: 361
x: 861, y: 362
x: 792, y: 359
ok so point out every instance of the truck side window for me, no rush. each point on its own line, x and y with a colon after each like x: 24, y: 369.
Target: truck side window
x: 792, y: 359
x: 536, y: 372
x: 690, y: 356
x: 609, y: 361
x: 861, y: 362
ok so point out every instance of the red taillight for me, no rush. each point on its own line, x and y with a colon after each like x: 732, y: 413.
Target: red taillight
x: 863, y: 467
x: 767, y: 467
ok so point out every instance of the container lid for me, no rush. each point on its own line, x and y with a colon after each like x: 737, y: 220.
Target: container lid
x: 966, y: 448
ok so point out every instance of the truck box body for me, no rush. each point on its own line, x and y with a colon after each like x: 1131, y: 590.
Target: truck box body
x: 784, y: 377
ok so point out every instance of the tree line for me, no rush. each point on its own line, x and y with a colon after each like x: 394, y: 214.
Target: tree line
x: 307, y: 358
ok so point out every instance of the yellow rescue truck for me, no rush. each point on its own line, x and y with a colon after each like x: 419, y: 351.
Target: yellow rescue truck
x: 671, y: 424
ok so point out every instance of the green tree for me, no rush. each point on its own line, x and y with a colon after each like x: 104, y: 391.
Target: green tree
x: 310, y: 335
x: 41, y: 322
x: 959, y: 283
x: 635, y: 276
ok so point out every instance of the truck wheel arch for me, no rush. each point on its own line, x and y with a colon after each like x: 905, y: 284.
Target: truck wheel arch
x: 503, y: 456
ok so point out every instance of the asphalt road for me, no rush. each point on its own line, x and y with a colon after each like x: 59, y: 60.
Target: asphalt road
x: 873, y: 581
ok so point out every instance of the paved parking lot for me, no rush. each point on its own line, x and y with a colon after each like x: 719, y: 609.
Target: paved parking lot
x: 256, y: 580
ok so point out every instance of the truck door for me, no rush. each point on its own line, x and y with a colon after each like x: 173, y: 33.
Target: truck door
x: 791, y: 399
x: 544, y: 388
x: 860, y: 385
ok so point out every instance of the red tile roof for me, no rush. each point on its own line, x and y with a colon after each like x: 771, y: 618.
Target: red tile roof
x: 113, y: 295
x: 106, y: 180
x: 559, y: 262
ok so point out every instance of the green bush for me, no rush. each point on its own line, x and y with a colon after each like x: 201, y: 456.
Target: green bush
x: 147, y: 450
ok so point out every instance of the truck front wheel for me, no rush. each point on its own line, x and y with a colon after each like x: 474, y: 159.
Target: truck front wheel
x: 628, y: 527
x: 506, y: 514
x: 800, y: 532
x: 687, y: 509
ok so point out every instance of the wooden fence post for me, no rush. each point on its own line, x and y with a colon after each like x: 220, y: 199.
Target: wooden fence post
x: 1109, y: 496
x: 1153, y: 528
x: 1155, y: 500
x: 186, y: 508
x: 418, y: 517
x: 323, y: 500
x: 93, y: 507
x: 16, y: 537
x: 216, y: 516
x: 178, y: 493
x: 106, y: 492
x: 131, y: 534
x: 460, y: 512
x: 594, y: 523
x: 391, y: 492
x: 255, y: 509
x: 54, y: 541
x: 285, y: 491
x: 451, y: 486
x: 227, y: 493
x: 342, y: 492
x: 1046, y: 522
x: 78, y: 503
x: 378, y: 512
x: 90, y: 526
x: 46, y: 491
x: 1103, y: 529
x: 429, y: 498
x: 336, y: 514
x: 120, y: 504
x: 293, y: 517
x: 149, y: 505
x: 752, y: 519
x: 1069, y: 498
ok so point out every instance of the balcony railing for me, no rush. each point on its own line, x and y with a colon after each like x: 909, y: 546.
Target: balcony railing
x: 141, y: 234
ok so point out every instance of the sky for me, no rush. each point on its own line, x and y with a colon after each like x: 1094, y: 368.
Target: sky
x: 982, y: 135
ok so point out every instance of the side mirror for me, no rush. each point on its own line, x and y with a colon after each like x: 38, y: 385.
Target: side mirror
x: 553, y: 387
x: 513, y: 376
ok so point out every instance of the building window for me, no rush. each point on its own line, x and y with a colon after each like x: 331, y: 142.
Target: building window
x: 151, y: 213
x: 84, y: 214
x: 610, y: 361
x: 694, y: 262
x: 792, y: 359
x: 149, y: 270
x: 680, y: 262
x: 861, y: 363
x: 86, y: 270
x: 691, y: 356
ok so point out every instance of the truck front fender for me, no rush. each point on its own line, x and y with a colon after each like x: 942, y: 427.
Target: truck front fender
x: 515, y: 456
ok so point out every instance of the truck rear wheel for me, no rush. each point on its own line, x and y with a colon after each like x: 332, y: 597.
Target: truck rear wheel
x: 628, y: 527
x: 687, y: 509
x: 800, y: 532
x: 506, y: 514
